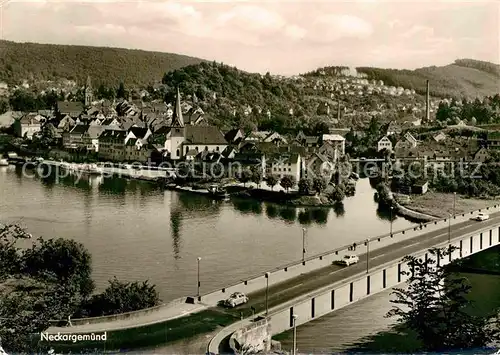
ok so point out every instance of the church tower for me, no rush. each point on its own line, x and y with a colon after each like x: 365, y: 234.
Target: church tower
x: 89, y: 95
x: 177, y: 130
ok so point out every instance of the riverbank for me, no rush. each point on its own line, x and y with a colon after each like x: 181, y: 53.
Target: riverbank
x: 440, y: 205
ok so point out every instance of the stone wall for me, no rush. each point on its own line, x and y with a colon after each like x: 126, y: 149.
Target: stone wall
x: 254, y: 338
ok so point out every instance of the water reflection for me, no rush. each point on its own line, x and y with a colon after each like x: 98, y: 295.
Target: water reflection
x: 175, y: 226
x: 339, y: 209
x: 248, y: 206
x: 202, y: 205
x: 271, y: 211
x: 289, y: 214
x: 384, y: 213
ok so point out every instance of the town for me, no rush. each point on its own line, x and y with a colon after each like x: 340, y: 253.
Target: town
x: 248, y: 178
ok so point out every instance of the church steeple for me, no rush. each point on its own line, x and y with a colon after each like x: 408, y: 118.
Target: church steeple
x: 177, y: 119
x: 89, y: 95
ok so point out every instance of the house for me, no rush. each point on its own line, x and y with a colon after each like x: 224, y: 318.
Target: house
x: 234, y: 136
x: 66, y: 123
x: 275, y: 138
x: 410, y: 139
x: 136, y: 151
x: 481, y: 155
x: 91, y: 137
x: 393, y: 128
x: 384, y: 143
x: 112, y: 144
x: 27, y: 125
x: 420, y: 187
x: 335, y: 139
x: 112, y: 121
x: 74, y: 138
x: 244, y: 160
x: 493, y: 140
x: 330, y: 151
x: 318, y: 165
x: 284, y: 164
x: 308, y: 141
x: 439, y: 137
x: 72, y: 109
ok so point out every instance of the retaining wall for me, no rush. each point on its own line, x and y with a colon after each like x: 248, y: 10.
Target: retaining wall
x: 253, y: 338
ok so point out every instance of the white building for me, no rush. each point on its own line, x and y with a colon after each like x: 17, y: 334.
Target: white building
x: 384, y: 143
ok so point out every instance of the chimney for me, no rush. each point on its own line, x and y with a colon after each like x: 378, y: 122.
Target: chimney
x: 427, y: 104
x: 338, y: 111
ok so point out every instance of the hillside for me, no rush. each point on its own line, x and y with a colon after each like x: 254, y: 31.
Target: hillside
x: 464, y: 78
x: 108, y: 66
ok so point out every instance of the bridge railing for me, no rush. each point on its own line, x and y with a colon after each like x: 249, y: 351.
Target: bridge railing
x: 286, y: 267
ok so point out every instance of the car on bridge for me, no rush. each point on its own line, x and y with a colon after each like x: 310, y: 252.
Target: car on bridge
x: 235, y: 299
x: 482, y: 217
x: 349, y: 259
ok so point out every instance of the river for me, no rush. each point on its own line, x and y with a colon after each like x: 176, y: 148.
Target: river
x: 136, y: 231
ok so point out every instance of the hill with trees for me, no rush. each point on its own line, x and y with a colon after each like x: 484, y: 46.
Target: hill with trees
x: 464, y: 78
x: 108, y: 66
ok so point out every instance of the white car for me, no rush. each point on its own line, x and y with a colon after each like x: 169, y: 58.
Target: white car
x: 349, y: 259
x: 482, y: 217
x: 236, y: 299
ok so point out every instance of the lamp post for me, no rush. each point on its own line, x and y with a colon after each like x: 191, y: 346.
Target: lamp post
x: 392, y: 209
x: 367, y: 255
x: 449, y: 229
x: 199, y: 284
x: 303, y: 245
x: 454, y: 202
x: 294, y: 350
x: 267, y: 293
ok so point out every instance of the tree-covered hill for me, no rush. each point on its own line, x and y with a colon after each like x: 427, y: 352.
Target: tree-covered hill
x: 109, y: 66
x: 464, y: 78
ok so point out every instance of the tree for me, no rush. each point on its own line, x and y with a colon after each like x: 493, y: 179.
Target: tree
x: 121, y: 93
x: 121, y: 297
x: 287, y: 182
x: 4, y: 106
x: 305, y: 186
x: 67, y: 260
x: 319, y: 185
x: 272, y: 181
x: 245, y: 176
x: 434, y: 306
x: 338, y: 194
x: 256, y: 176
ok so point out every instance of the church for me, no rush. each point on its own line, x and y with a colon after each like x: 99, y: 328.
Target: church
x: 183, y: 140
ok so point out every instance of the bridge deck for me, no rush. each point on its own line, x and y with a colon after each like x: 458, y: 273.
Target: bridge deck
x: 306, y: 283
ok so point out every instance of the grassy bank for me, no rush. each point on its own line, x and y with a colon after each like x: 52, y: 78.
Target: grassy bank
x: 153, y: 335
x: 441, y: 204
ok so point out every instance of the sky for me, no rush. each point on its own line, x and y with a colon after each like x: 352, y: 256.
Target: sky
x: 282, y: 37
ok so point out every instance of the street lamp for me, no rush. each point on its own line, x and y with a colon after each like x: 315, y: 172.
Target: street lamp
x: 367, y: 255
x: 294, y: 350
x: 303, y: 245
x: 267, y: 293
x: 454, y: 202
x: 392, y: 208
x: 199, y: 259
x: 449, y: 229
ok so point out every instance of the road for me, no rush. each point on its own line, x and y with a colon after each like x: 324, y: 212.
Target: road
x: 298, y: 286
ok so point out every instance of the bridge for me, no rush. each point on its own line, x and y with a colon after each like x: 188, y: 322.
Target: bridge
x: 313, y: 286
x: 328, y: 289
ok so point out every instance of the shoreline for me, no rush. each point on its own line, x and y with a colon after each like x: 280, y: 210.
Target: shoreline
x: 441, y: 205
